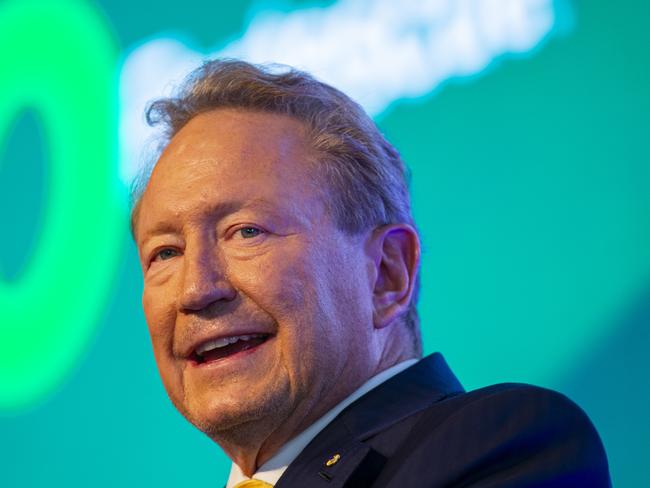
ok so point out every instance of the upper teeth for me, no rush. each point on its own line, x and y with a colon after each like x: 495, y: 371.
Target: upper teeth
x: 224, y: 341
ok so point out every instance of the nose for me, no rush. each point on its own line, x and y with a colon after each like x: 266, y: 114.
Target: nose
x: 204, y: 281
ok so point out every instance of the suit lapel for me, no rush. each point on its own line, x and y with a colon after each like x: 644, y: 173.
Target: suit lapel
x: 336, y: 461
x: 340, y: 456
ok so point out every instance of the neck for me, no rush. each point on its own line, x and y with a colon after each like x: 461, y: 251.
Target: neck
x: 249, y: 445
x: 252, y: 444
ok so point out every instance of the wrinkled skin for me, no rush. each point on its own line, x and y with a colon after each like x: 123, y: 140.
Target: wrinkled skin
x: 234, y: 238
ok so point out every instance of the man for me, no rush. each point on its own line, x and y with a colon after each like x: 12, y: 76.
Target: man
x: 280, y: 264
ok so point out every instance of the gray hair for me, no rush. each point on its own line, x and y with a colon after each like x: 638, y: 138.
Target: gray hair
x: 368, y: 178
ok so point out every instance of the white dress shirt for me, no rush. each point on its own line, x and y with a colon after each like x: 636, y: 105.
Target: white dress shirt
x: 271, y: 470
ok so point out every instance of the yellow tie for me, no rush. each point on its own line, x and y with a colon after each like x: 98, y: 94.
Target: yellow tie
x: 253, y: 484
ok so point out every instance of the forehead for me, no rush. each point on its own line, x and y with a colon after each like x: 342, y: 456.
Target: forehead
x: 231, y: 155
x: 236, y: 141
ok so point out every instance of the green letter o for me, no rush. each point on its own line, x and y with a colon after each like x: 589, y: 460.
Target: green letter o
x: 57, y: 58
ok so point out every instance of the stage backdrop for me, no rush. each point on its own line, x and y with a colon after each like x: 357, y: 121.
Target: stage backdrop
x: 526, y: 126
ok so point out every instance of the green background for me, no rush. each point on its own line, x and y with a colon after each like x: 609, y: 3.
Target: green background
x: 531, y: 187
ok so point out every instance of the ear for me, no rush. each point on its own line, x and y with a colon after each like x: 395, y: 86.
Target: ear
x: 394, y: 250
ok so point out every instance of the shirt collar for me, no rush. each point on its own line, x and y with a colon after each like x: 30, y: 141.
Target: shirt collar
x: 271, y: 470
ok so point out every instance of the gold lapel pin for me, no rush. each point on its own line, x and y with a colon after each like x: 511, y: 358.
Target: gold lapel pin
x: 333, y: 460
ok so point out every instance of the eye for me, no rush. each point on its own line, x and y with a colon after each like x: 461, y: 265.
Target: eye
x: 249, y: 232
x: 165, y: 254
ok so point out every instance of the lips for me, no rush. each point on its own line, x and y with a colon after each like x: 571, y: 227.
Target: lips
x: 214, y: 349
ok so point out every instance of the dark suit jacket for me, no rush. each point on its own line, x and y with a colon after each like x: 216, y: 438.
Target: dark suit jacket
x: 421, y: 429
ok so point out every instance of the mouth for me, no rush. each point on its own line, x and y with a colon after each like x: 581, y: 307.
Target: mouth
x: 224, y: 347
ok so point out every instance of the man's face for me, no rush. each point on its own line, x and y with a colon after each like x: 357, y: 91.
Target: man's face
x: 257, y: 305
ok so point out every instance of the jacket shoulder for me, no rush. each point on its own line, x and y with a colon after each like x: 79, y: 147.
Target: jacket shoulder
x: 522, y: 404
x: 505, y: 435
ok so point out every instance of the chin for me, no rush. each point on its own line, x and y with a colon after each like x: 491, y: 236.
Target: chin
x: 236, y: 420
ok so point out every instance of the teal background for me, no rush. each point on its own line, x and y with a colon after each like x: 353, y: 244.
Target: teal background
x: 531, y: 187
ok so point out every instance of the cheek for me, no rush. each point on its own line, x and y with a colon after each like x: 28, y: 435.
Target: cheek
x: 160, y: 316
x: 278, y: 283
x: 285, y: 286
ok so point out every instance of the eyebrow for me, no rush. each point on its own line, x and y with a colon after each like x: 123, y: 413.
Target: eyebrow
x: 217, y: 211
